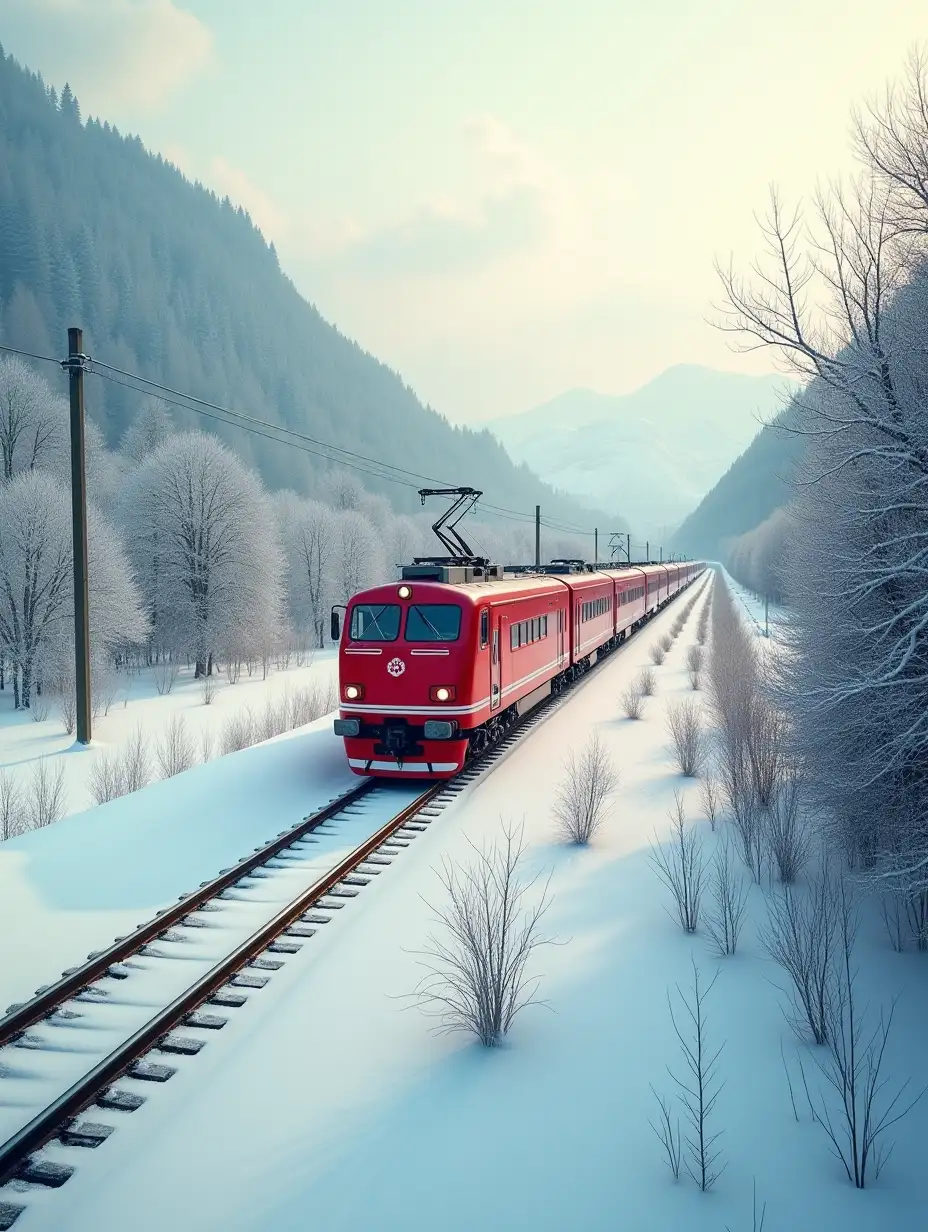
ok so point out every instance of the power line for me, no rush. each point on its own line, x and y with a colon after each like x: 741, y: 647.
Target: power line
x: 303, y: 436
x: 30, y: 355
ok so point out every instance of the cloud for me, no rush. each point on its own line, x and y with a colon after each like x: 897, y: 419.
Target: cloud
x: 438, y: 241
x: 132, y: 54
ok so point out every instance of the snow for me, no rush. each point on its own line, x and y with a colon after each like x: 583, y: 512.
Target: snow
x: 94, y: 876
x: 23, y: 743
x: 329, y: 1100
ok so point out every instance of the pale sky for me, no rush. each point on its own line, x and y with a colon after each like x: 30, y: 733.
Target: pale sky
x: 501, y: 199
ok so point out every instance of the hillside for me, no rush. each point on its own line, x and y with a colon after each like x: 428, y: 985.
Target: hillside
x: 754, y: 486
x: 171, y: 282
x: 684, y: 428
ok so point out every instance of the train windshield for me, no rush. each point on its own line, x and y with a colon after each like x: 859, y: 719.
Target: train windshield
x: 375, y: 622
x: 433, y: 622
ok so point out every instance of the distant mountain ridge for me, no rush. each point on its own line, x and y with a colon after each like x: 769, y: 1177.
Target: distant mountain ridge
x: 655, y: 452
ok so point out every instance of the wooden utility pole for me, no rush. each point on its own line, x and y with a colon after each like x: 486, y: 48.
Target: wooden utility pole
x: 538, y: 536
x: 75, y: 367
x: 596, y: 545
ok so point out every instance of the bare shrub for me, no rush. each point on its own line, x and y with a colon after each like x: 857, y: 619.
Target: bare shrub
x: 853, y: 1105
x: 309, y: 704
x: 206, y: 744
x: 668, y: 1135
x: 694, y: 658
x: 766, y: 735
x: 14, y: 816
x: 694, y: 681
x: 632, y: 703
x: 39, y: 706
x: 748, y: 818
x: 105, y: 778
x: 684, y: 723
x: 658, y: 654
x: 645, y: 682
x: 174, y: 751
x: 274, y: 720
x: 788, y: 837
x: 135, y: 762
x: 239, y: 732
x: 476, y: 972
x: 165, y: 673
x: 699, y: 1088
x: 46, y: 803
x: 233, y: 668
x: 104, y: 687
x: 800, y: 936
x: 679, y: 864
x: 208, y: 689
x: 711, y: 799
x: 729, y: 902
x: 580, y: 801
x: 667, y: 642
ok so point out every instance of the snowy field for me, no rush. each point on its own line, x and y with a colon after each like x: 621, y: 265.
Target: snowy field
x: 329, y: 1101
x: 136, y: 704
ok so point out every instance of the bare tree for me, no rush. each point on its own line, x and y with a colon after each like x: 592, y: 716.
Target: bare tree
x: 207, y: 744
x: 759, y: 1217
x: 788, y: 837
x: 749, y: 820
x: 700, y: 1087
x: 13, y: 814
x: 711, y: 799
x: 800, y: 935
x: 136, y: 764
x: 658, y: 654
x: 476, y: 971
x: 580, y: 801
x: 679, y: 864
x: 668, y: 1135
x: 174, y: 752
x: 684, y: 724
x: 729, y: 902
x: 46, y: 796
x: 105, y: 779
x: 857, y: 1119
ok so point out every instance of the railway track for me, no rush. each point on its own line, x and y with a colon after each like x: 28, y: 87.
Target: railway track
x: 195, y: 963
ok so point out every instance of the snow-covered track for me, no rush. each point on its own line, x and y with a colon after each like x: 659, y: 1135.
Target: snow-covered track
x: 82, y: 1002
x: 109, y: 999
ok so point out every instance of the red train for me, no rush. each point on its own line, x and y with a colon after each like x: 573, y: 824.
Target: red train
x: 436, y: 666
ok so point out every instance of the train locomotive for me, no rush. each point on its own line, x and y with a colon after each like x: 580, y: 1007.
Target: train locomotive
x: 435, y: 667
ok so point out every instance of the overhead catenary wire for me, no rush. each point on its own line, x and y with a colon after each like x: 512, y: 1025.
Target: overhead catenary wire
x: 351, y: 459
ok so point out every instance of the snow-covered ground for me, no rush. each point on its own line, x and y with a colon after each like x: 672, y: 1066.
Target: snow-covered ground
x: 327, y: 1099
x: 25, y: 744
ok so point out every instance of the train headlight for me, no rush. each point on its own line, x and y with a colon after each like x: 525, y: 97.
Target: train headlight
x: 405, y: 592
x: 354, y: 692
x: 442, y: 693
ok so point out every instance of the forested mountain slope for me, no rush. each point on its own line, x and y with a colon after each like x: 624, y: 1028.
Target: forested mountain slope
x: 754, y: 486
x: 171, y: 282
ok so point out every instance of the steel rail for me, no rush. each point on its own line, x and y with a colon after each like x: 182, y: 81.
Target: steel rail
x: 48, y: 1123
x: 45, y: 1002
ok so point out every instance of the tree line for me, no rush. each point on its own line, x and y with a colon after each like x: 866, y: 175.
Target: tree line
x: 190, y: 556
x: 844, y: 300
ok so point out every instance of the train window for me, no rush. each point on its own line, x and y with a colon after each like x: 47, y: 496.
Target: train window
x: 544, y: 626
x: 514, y: 637
x: 375, y: 622
x: 484, y: 627
x: 433, y: 622
x: 536, y: 628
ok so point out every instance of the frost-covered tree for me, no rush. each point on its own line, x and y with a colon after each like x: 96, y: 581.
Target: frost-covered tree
x: 150, y: 428
x: 309, y: 536
x: 33, y: 419
x: 855, y: 673
x: 36, y: 580
x: 204, y: 534
x: 359, y: 556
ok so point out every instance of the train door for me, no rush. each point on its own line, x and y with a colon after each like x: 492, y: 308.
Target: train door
x: 496, y: 661
x: 560, y: 635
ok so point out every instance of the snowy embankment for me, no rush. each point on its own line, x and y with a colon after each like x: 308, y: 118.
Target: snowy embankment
x: 135, y: 705
x: 89, y: 878
x: 327, y: 1097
